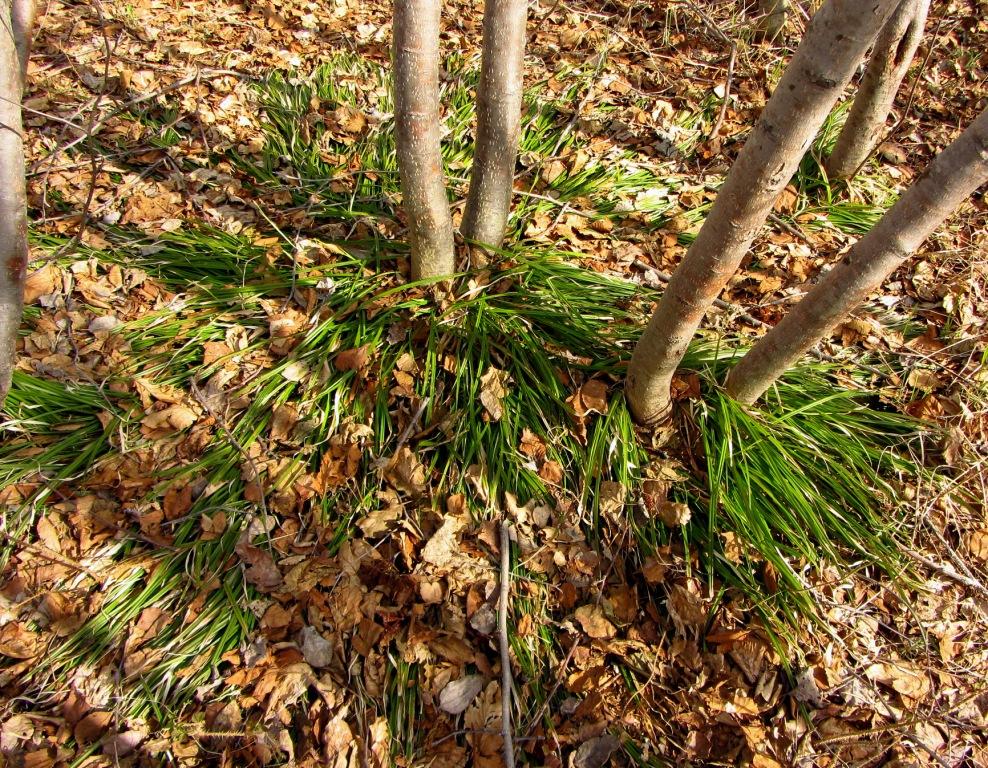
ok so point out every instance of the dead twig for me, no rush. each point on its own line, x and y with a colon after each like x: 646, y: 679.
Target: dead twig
x: 950, y: 573
x: 727, y: 93
x: 792, y: 229
x: 507, y: 685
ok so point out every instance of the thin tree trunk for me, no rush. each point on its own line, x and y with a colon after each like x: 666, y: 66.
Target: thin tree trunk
x: 498, y: 121
x: 773, y: 18
x: 420, y: 164
x: 951, y: 178
x: 890, y: 59
x: 15, y: 43
x: 835, y: 41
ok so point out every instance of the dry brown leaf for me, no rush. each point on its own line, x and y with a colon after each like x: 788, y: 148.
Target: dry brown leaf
x: 443, y: 545
x: 977, y: 544
x: 459, y: 694
x: 596, y: 752
x: 493, y: 389
x: 594, y: 623
x: 357, y: 360
x: 283, y: 421
x: 42, y: 282
x: 261, y: 570
x: 92, y: 726
x: 673, y: 513
x: 173, y: 419
x: 406, y: 473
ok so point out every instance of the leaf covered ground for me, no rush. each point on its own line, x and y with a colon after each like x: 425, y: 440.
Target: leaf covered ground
x: 252, y: 477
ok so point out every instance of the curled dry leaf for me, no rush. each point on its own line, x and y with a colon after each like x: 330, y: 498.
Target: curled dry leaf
x: 594, y: 753
x: 122, y: 744
x: 673, y: 513
x: 261, y: 570
x: 42, y: 282
x: 493, y: 389
x: 611, y: 497
x: 383, y: 519
x: 357, y: 360
x: 591, y: 397
x: 92, y: 726
x: 170, y: 420
x: 439, y: 550
x: 317, y: 650
x: 406, y: 473
x: 594, y: 623
x: 459, y: 694
x: 283, y: 421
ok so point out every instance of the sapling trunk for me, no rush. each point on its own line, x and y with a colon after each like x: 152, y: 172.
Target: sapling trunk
x: 835, y: 41
x: 499, y: 95
x: 773, y: 18
x: 15, y: 44
x: 417, y: 136
x: 889, y: 62
x: 951, y: 178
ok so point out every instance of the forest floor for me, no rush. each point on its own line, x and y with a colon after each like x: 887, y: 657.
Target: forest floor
x: 252, y: 479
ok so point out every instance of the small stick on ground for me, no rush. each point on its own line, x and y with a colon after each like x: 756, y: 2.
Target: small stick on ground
x: 727, y: 93
x: 950, y: 573
x: 507, y: 685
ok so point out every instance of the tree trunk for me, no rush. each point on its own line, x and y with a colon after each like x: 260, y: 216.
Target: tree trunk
x: 773, y: 18
x: 498, y: 122
x: 889, y: 62
x: 420, y: 164
x: 835, y: 41
x: 952, y: 177
x: 15, y: 43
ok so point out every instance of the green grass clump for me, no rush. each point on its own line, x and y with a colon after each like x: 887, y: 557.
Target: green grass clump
x: 807, y: 479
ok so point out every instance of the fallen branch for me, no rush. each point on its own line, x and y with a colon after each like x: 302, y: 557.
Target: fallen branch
x: 507, y: 685
x: 950, y: 573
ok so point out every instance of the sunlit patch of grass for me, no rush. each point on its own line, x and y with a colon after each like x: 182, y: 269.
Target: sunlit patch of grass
x: 54, y: 432
x: 402, y: 706
x: 852, y: 206
x: 807, y: 479
x: 333, y: 174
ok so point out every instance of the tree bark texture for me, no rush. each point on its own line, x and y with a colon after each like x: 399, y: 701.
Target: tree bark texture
x: 15, y: 42
x: 773, y: 18
x: 499, y: 96
x: 417, y: 136
x: 889, y: 62
x: 951, y: 178
x: 836, y: 39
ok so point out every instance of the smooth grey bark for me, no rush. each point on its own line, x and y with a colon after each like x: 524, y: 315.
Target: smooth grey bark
x: 951, y: 178
x: 836, y: 39
x: 417, y: 136
x: 889, y: 62
x: 499, y: 95
x: 773, y: 18
x: 15, y: 43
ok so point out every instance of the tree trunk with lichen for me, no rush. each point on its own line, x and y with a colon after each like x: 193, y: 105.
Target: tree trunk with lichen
x: 499, y: 95
x: 417, y: 137
x: 15, y: 46
x: 835, y: 41
x: 951, y: 178
x: 773, y: 18
x: 889, y: 62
